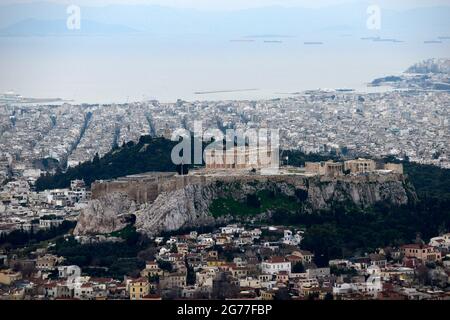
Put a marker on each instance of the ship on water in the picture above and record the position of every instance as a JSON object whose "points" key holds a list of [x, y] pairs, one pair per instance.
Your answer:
{"points": [[309, 43]]}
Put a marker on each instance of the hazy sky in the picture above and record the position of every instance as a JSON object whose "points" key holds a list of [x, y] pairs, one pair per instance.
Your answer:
{"points": [[182, 54], [241, 4]]}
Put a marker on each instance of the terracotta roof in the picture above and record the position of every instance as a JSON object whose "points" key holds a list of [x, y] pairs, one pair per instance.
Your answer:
{"points": [[139, 280], [306, 252], [276, 260], [416, 246], [292, 257], [103, 280]]}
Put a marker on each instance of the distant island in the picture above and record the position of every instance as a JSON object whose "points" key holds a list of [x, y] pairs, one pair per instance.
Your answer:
{"points": [[242, 40], [379, 39]]}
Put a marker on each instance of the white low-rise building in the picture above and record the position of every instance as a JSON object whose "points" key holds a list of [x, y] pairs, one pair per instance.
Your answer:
{"points": [[275, 264], [441, 241], [69, 271], [372, 286]]}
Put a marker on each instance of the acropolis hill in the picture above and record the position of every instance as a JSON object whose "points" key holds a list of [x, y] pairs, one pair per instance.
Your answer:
{"points": [[168, 201]]}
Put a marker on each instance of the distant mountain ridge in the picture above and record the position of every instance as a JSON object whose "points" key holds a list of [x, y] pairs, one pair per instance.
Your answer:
{"points": [[433, 21], [35, 27]]}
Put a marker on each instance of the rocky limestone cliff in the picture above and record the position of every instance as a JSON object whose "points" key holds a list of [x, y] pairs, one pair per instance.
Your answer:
{"points": [[188, 206], [105, 215], [177, 209]]}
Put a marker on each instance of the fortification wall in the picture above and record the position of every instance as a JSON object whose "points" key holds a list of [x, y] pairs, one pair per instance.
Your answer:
{"points": [[146, 188]]}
